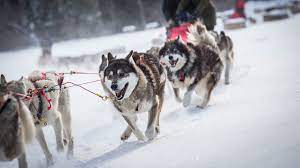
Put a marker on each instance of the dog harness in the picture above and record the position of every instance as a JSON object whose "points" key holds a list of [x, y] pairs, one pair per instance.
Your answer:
{"points": [[181, 76], [41, 92]]}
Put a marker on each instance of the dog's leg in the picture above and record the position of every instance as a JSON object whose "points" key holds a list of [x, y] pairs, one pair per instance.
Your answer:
{"points": [[126, 134], [187, 98], [131, 121], [152, 118], [188, 94], [69, 137], [211, 83], [161, 94], [58, 130], [177, 95], [64, 108], [41, 139], [22, 162], [227, 68]]}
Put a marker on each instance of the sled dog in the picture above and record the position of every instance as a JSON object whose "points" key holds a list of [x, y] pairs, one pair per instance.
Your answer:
{"points": [[16, 126], [194, 66], [49, 106], [136, 84]]}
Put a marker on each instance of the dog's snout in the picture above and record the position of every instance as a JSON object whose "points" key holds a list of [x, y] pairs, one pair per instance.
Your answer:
{"points": [[170, 57], [114, 86]]}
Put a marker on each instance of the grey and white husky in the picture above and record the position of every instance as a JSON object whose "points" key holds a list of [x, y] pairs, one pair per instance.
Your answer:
{"points": [[194, 66], [225, 45], [56, 112], [16, 126], [136, 84]]}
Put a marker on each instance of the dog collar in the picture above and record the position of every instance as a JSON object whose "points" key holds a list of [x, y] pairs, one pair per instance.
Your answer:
{"points": [[181, 76]]}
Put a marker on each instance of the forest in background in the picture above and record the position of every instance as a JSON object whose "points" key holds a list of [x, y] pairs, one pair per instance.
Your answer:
{"points": [[26, 23]]}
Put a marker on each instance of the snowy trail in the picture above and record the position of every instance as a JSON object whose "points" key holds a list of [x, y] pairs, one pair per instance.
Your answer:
{"points": [[254, 122]]}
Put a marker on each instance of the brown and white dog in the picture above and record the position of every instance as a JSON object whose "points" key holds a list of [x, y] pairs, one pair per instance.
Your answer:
{"points": [[136, 84]]}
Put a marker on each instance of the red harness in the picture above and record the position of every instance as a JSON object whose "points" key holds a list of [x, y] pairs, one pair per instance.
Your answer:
{"points": [[181, 76], [49, 100]]}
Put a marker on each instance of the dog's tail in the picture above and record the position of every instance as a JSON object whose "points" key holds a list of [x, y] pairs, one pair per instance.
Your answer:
{"points": [[27, 122], [197, 34]]}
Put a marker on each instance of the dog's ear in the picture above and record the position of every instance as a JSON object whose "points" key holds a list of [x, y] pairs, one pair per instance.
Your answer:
{"points": [[103, 64], [129, 55], [21, 79], [110, 57], [3, 80]]}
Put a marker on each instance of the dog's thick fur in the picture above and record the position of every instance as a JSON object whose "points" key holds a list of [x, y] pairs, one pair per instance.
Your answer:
{"points": [[59, 115], [194, 66], [144, 90], [16, 125]]}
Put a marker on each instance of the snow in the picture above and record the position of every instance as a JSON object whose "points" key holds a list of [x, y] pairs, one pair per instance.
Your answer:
{"points": [[235, 21], [253, 122], [255, 9], [152, 25], [129, 28]]}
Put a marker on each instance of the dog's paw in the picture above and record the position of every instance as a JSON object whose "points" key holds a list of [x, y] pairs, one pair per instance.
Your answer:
{"points": [[125, 136], [201, 107], [151, 133], [157, 129], [141, 138], [60, 147], [50, 161]]}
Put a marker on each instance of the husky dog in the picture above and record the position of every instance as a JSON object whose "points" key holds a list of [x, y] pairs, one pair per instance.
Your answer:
{"points": [[194, 66], [136, 84], [45, 112], [225, 45], [16, 126]]}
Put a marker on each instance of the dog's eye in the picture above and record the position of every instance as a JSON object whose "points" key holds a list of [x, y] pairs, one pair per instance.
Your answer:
{"points": [[121, 74], [109, 77]]}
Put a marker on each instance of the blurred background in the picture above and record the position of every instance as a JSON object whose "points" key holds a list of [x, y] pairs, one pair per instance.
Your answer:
{"points": [[25, 23]]}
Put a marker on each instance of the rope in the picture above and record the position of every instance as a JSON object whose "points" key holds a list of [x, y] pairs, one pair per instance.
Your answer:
{"points": [[104, 98], [75, 73], [38, 90]]}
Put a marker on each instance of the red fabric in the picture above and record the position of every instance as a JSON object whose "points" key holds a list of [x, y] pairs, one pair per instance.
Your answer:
{"points": [[43, 93], [43, 77], [240, 4], [236, 15], [179, 31], [181, 76]]}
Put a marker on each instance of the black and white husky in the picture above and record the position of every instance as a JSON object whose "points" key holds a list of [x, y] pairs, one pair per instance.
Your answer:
{"points": [[56, 112], [194, 66], [136, 84]]}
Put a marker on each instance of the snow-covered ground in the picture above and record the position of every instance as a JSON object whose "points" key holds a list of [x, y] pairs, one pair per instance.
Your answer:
{"points": [[254, 122]]}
